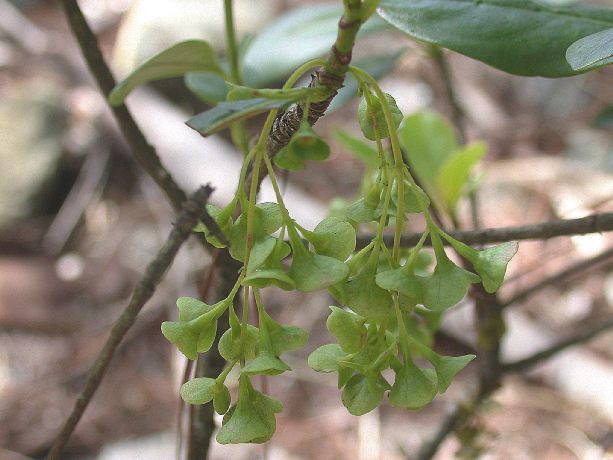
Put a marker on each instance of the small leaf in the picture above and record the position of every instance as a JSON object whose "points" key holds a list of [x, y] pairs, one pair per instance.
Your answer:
{"points": [[415, 199], [230, 344], [269, 277], [305, 143], [325, 358], [361, 212], [207, 86], [333, 237], [454, 174], [447, 285], [413, 387], [222, 400], [225, 113], [223, 219], [313, 272], [199, 390], [253, 419], [363, 296], [265, 363], [348, 328], [191, 308], [260, 251], [362, 393], [183, 337], [399, 280], [289, 160], [377, 128], [267, 220], [187, 56], [447, 367]]}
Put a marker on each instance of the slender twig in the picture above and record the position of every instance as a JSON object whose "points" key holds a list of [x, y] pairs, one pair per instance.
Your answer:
{"points": [[595, 223], [450, 422], [526, 363], [192, 212], [143, 152], [560, 277]]}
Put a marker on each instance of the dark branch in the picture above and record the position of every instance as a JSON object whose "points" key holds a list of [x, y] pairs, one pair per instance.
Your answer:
{"points": [[192, 212], [560, 277], [526, 363], [594, 223]]}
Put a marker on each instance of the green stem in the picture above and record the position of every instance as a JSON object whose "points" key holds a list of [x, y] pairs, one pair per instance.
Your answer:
{"points": [[232, 48]]}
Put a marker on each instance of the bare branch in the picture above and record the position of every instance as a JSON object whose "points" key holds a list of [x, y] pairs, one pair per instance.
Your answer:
{"points": [[526, 363], [192, 212], [594, 223], [560, 277]]}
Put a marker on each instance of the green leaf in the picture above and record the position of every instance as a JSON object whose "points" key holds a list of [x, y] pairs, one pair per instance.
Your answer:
{"points": [[222, 400], [348, 328], [225, 113], [333, 237], [399, 280], [260, 251], [199, 390], [361, 212], [223, 219], [269, 277], [447, 285], [454, 174], [187, 56], [429, 141], [325, 358], [447, 367], [313, 272], [362, 393], [267, 220], [300, 35], [593, 51], [364, 151], [282, 337], [306, 144], [230, 344], [415, 199], [491, 263], [377, 129], [253, 419], [363, 296], [287, 159], [207, 86], [265, 363], [191, 308], [518, 36], [183, 337], [413, 387], [313, 93]]}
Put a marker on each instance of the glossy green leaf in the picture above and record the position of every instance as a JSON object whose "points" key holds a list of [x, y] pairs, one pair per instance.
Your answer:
{"points": [[253, 419], [230, 344], [298, 36], [372, 119], [593, 51], [362, 393], [333, 237], [313, 272], [200, 390], [413, 387], [348, 328], [325, 358], [187, 56], [207, 86], [518, 36], [364, 151], [455, 172], [225, 113]]}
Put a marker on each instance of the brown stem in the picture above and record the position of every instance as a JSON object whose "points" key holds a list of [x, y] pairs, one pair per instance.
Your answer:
{"points": [[192, 212]]}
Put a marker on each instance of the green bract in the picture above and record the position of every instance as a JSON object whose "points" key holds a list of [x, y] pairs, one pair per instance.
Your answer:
{"points": [[372, 119], [413, 387]]}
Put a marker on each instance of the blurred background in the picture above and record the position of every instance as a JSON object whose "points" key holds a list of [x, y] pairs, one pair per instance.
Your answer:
{"points": [[79, 221]]}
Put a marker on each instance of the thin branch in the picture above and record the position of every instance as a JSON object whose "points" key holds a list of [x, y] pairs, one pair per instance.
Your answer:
{"points": [[143, 152], [192, 212], [448, 424], [595, 223], [526, 363], [560, 277]]}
